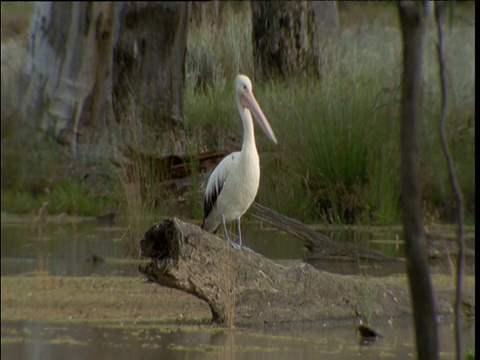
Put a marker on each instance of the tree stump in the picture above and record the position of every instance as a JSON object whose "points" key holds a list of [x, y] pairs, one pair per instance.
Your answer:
{"points": [[245, 288]]}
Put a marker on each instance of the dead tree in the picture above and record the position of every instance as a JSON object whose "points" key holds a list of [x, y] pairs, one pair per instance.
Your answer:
{"points": [[423, 302], [89, 63], [244, 288]]}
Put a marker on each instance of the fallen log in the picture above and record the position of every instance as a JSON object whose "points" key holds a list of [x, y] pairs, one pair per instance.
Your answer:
{"points": [[173, 166], [319, 246], [244, 288]]}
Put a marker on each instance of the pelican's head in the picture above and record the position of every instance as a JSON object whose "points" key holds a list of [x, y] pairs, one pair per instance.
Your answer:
{"points": [[246, 100]]}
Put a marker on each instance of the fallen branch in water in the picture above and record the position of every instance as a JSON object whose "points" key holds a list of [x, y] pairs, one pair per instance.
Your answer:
{"points": [[318, 245]]}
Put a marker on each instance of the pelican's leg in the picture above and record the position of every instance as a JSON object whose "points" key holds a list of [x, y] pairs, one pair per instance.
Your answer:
{"points": [[225, 228], [240, 241], [239, 231], [235, 245]]}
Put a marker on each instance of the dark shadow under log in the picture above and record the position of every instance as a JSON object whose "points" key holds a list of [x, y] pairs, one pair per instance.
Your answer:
{"points": [[245, 288]]}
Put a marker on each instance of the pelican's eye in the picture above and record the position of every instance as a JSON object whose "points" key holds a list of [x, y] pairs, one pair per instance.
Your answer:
{"points": [[244, 87]]}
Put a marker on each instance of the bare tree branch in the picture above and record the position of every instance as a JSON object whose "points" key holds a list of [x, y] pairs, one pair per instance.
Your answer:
{"points": [[455, 187]]}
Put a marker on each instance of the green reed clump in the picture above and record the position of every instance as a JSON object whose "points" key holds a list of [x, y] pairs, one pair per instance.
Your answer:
{"points": [[339, 161], [212, 119], [216, 53], [330, 163]]}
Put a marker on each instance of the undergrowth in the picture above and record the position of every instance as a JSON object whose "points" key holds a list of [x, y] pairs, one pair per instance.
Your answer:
{"points": [[338, 156]]}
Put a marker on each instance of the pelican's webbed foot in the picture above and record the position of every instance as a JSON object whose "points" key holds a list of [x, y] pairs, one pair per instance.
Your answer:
{"points": [[235, 245]]}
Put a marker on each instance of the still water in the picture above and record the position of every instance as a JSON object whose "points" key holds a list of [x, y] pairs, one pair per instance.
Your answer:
{"points": [[34, 340], [66, 250]]}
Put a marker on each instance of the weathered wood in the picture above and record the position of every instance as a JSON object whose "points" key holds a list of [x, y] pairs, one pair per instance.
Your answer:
{"points": [[66, 76], [318, 245], [245, 288]]}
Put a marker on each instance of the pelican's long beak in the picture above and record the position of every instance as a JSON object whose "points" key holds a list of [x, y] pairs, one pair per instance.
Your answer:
{"points": [[248, 100]]}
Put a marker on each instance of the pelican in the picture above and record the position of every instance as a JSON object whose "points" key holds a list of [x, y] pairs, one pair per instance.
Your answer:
{"points": [[233, 185]]}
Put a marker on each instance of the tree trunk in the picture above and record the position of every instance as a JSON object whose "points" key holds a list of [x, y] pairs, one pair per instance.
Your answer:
{"points": [[412, 24], [244, 288], [285, 42], [77, 62], [62, 76], [149, 72]]}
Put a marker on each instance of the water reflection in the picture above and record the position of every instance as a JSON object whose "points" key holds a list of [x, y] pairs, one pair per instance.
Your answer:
{"points": [[67, 250], [70, 250], [335, 340], [64, 250]]}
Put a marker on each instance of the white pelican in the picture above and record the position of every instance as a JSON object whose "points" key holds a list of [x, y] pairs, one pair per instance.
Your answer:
{"points": [[233, 185]]}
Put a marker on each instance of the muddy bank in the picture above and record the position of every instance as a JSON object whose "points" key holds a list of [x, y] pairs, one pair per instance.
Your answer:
{"points": [[52, 298]]}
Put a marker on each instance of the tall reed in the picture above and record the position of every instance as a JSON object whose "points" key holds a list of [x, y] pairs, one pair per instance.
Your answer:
{"points": [[141, 196]]}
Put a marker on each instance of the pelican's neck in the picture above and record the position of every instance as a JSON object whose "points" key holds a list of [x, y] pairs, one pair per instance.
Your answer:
{"points": [[248, 132]]}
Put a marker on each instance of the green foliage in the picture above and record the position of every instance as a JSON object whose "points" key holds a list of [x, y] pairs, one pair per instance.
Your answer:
{"points": [[331, 154], [34, 171], [72, 198], [338, 156], [65, 196], [470, 354], [329, 163]]}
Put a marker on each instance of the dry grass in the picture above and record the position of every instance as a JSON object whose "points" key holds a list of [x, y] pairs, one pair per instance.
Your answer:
{"points": [[55, 298], [228, 282]]}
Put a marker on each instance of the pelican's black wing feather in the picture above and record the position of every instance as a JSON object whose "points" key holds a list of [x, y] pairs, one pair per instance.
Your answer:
{"points": [[216, 182], [211, 198]]}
